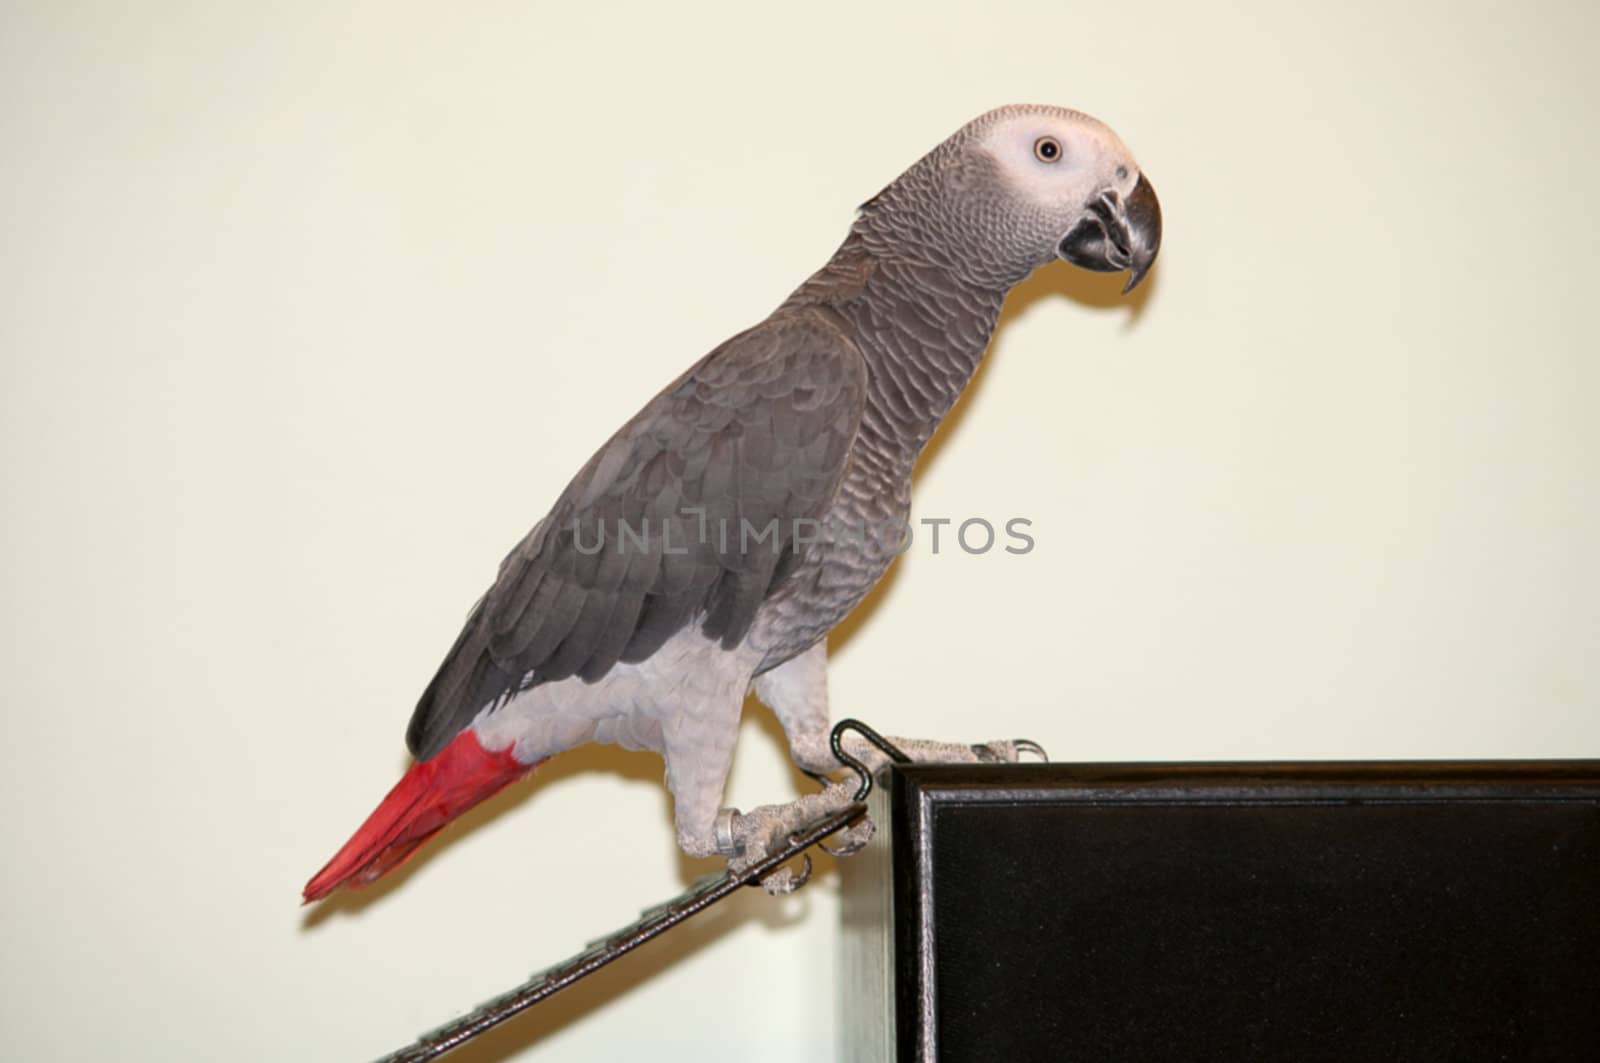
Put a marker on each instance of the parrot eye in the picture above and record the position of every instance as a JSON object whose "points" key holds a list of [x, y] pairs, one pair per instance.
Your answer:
{"points": [[1047, 149]]}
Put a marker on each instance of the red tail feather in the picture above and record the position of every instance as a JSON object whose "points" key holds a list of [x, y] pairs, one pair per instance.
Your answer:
{"points": [[430, 794]]}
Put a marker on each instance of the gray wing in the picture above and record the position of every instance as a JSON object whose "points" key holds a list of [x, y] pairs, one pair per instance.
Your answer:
{"points": [[689, 514]]}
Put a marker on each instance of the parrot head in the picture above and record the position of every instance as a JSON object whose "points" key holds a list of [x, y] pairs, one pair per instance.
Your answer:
{"points": [[1022, 185]]}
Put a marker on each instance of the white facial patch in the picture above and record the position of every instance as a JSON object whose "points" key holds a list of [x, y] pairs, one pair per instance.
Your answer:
{"points": [[1089, 158]]}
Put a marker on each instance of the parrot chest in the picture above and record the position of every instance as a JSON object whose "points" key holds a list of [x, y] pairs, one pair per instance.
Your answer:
{"points": [[858, 539], [921, 333]]}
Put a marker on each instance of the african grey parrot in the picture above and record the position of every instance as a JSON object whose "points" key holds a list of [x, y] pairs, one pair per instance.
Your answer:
{"points": [[714, 541]]}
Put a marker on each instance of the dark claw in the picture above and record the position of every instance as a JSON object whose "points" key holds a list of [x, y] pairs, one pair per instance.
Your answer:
{"points": [[853, 839], [847, 849], [784, 880], [1025, 745]]}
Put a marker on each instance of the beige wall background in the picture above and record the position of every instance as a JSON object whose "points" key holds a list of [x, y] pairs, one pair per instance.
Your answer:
{"points": [[310, 311]]}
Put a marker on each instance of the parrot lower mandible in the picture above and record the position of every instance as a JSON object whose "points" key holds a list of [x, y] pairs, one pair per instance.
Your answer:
{"points": [[714, 541]]}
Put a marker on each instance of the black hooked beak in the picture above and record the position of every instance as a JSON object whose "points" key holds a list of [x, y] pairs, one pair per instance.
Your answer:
{"points": [[1116, 236]]}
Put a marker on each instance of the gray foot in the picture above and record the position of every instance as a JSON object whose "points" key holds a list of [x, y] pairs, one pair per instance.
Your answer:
{"points": [[924, 751], [747, 838]]}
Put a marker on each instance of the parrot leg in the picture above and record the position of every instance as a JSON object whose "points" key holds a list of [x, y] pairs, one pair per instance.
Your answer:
{"points": [[797, 693], [746, 838], [699, 754]]}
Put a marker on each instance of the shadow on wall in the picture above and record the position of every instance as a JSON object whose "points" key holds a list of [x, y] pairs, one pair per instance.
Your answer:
{"points": [[615, 981], [1097, 291]]}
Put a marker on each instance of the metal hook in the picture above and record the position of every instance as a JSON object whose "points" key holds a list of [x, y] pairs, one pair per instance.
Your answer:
{"points": [[888, 748]]}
